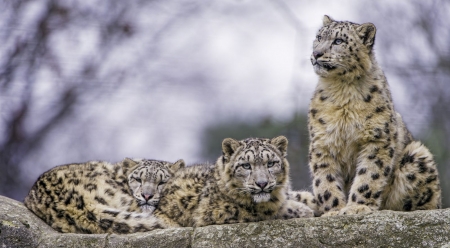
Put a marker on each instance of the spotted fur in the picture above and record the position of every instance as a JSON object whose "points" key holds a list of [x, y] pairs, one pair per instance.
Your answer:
{"points": [[99, 197], [306, 198], [248, 183], [362, 157]]}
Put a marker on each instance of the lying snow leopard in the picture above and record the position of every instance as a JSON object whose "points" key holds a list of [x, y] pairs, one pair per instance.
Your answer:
{"points": [[362, 156], [248, 183], [99, 197]]}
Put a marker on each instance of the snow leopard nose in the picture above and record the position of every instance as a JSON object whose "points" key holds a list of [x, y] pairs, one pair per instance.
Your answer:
{"points": [[317, 54], [262, 185], [147, 197]]}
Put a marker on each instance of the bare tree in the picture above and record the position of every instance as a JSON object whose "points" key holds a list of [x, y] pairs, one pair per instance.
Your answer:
{"points": [[61, 58], [29, 33]]}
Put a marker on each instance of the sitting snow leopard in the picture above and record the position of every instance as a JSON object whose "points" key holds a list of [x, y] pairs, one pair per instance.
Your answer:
{"points": [[362, 156], [248, 183], [99, 197]]}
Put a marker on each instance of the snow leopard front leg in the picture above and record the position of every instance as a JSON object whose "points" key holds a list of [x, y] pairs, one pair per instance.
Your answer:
{"points": [[328, 183], [294, 209], [306, 198], [374, 169]]}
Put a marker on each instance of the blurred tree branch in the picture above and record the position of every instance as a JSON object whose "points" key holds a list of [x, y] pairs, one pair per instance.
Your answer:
{"points": [[30, 51], [47, 84]]}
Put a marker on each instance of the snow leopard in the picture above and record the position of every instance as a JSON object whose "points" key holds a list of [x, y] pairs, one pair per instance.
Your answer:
{"points": [[248, 183], [362, 157], [100, 197]]}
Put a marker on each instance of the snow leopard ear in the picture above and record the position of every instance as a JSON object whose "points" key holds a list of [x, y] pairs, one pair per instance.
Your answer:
{"points": [[367, 33], [281, 143], [176, 166], [129, 163], [229, 147], [327, 20]]}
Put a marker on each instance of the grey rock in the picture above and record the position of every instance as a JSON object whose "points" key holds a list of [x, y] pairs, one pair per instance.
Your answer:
{"points": [[379, 229], [21, 228], [18, 226]]}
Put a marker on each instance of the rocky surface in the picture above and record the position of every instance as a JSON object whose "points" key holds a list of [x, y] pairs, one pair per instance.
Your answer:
{"points": [[21, 228]]}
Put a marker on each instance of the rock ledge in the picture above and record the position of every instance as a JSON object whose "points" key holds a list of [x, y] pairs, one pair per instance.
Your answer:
{"points": [[21, 228]]}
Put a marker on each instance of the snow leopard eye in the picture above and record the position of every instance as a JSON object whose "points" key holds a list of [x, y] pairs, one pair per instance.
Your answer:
{"points": [[338, 41], [318, 37], [270, 164], [137, 179], [246, 166]]}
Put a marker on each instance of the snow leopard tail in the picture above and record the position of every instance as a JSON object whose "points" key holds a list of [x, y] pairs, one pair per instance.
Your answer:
{"points": [[109, 220]]}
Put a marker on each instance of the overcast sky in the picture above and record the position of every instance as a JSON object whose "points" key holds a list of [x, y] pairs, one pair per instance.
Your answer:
{"points": [[247, 60]]}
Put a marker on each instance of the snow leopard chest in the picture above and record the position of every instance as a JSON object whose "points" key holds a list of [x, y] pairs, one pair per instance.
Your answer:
{"points": [[343, 132]]}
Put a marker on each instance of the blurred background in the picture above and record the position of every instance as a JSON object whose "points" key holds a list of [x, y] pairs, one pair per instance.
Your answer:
{"points": [[168, 79]]}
